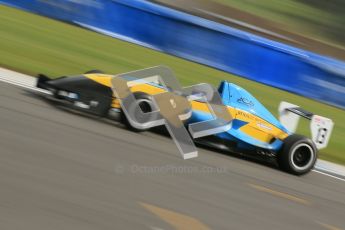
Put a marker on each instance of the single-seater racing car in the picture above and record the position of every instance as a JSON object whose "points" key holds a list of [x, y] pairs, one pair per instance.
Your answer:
{"points": [[253, 128]]}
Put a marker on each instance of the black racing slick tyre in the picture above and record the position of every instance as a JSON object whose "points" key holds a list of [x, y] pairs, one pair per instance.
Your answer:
{"points": [[298, 155], [146, 105], [94, 71]]}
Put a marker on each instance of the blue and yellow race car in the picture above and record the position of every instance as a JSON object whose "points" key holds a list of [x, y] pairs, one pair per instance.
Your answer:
{"points": [[253, 128]]}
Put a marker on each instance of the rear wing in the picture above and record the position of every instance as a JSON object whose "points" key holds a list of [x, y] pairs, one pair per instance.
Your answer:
{"points": [[320, 127]]}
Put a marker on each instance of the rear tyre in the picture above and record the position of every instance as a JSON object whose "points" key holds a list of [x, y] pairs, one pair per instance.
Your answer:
{"points": [[94, 71], [298, 155], [146, 105]]}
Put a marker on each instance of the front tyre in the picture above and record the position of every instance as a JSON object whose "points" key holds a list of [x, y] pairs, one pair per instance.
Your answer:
{"points": [[298, 155]]}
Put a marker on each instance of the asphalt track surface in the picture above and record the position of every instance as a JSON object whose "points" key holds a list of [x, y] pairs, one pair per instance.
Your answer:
{"points": [[62, 170]]}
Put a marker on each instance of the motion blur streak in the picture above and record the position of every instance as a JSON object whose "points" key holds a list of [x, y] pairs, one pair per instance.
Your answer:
{"points": [[280, 194]]}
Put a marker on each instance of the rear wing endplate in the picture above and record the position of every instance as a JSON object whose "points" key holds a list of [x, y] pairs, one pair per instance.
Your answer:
{"points": [[320, 127]]}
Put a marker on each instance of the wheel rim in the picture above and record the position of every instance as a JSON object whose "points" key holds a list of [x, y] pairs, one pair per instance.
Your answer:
{"points": [[302, 156]]}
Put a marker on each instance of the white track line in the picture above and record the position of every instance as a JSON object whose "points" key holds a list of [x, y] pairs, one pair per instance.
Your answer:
{"points": [[25, 86], [326, 174]]}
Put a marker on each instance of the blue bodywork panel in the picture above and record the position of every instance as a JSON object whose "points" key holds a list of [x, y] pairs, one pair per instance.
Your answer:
{"points": [[237, 97]]}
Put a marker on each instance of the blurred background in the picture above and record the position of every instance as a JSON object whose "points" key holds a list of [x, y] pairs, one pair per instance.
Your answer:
{"points": [[316, 25]]}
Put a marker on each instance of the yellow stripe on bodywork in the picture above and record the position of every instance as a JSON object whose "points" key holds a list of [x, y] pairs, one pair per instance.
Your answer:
{"points": [[258, 128], [140, 87], [146, 88], [257, 133], [253, 127], [102, 79], [105, 80]]}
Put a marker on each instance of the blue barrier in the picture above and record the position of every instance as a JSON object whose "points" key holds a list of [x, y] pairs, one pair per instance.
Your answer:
{"points": [[203, 41]]}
